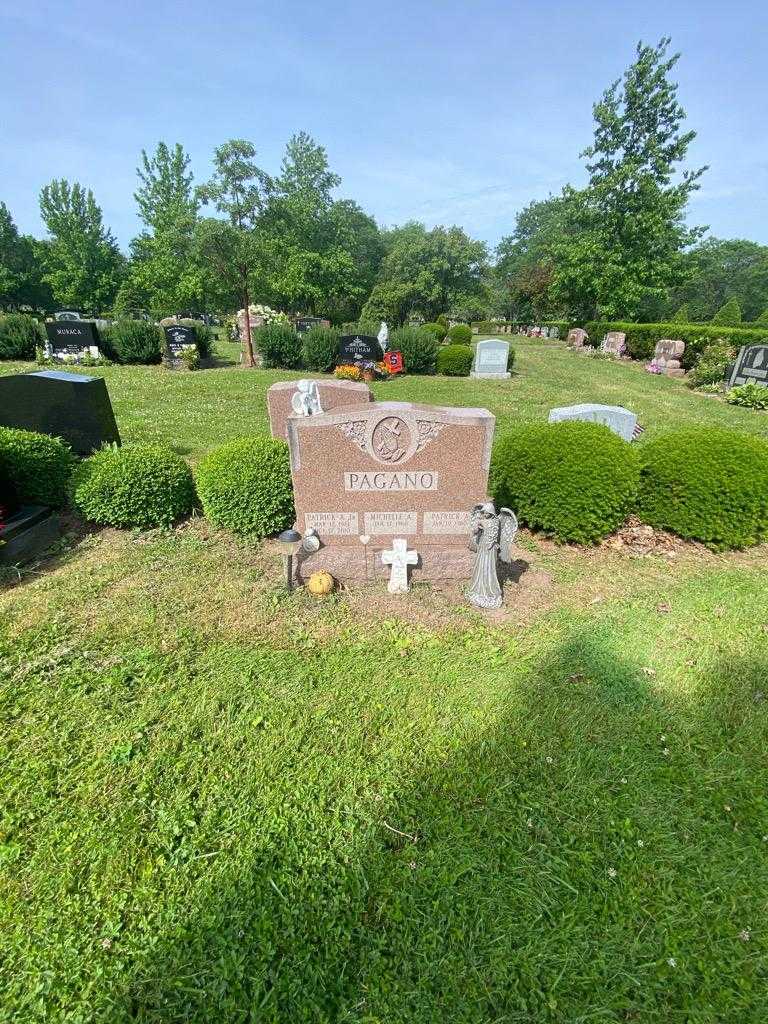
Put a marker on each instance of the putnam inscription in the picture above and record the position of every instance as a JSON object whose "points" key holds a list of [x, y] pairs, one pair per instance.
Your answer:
{"points": [[417, 480]]}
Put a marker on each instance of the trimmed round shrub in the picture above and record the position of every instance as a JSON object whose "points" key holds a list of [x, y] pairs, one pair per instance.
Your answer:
{"points": [[132, 341], [419, 348], [245, 486], [19, 336], [460, 334], [40, 466], [319, 347], [439, 330], [575, 480], [707, 484], [454, 360], [203, 336], [140, 485], [279, 346]]}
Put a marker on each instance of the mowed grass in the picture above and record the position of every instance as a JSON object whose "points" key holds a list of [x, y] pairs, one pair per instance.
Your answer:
{"points": [[197, 411], [220, 803]]}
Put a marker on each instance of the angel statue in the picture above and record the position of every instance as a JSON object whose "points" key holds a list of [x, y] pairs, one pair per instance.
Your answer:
{"points": [[383, 336], [492, 538], [306, 401]]}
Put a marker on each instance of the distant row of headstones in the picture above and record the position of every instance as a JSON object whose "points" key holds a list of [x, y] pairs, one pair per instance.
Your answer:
{"points": [[751, 362]]}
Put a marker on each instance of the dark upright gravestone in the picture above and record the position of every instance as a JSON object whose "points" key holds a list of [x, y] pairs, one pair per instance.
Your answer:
{"points": [[70, 340], [751, 365], [67, 405], [178, 340], [356, 348]]}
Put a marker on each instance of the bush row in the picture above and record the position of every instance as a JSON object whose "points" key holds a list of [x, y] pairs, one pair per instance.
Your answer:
{"points": [[575, 481], [280, 347], [124, 341], [642, 338]]}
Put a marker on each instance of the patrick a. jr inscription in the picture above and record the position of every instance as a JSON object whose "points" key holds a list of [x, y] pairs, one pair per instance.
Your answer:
{"points": [[387, 470]]}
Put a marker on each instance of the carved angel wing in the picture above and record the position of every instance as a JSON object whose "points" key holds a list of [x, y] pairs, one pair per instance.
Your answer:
{"points": [[507, 533]]}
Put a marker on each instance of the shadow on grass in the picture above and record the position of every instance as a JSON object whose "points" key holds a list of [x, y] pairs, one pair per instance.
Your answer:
{"points": [[555, 865]]}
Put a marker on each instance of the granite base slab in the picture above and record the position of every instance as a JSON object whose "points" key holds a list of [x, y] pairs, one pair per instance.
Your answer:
{"points": [[360, 563], [27, 533], [490, 376]]}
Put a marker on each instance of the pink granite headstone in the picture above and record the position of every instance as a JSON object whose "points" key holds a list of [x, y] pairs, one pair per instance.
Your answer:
{"points": [[364, 475], [667, 355], [577, 337], [614, 343], [332, 393]]}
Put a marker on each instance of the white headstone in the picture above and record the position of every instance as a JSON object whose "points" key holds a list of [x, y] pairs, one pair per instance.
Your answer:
{"points": [[618, 419], [491, 358], [399, 558]]}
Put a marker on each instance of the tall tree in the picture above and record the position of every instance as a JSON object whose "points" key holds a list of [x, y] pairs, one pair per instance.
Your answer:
{"points": [[427, 272], [83, 263], [718, 269], [21, 281], [238, 190], [163, 273], [524, 266], [626, 230]]}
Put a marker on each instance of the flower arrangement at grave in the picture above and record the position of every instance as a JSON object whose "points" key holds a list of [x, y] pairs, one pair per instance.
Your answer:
{"points": [[261, 315], [347, 371], [654, 368], [365, 369]]}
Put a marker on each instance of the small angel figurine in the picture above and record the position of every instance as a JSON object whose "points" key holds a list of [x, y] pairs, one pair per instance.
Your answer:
{"points": [[306, 401], [492, 538]]}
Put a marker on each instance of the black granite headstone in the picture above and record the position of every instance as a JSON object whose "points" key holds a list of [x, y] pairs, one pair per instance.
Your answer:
{"points": [[70, 337], [27, 533], [67, 405], [354, 348], [177, 338], [751, 365]]}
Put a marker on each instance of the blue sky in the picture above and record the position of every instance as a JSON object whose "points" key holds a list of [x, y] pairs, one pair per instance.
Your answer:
{"points": [[444, 112]]}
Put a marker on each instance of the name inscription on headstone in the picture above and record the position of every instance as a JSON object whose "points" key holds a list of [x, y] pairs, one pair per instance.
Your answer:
{"points": [[390, 523], [447, 522], [337, 524], [419, 480]]}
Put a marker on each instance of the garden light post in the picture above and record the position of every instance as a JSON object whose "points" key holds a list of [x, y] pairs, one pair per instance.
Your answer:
{"points": [[290, 542]]}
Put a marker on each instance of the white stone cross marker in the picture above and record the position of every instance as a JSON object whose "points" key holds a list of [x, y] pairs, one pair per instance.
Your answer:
{"points": [[399, 558]]}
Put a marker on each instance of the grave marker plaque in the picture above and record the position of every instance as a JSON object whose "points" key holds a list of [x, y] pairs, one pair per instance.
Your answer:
{"points": [[491, 359], [367, 473], [751, 365], [355, 348]]}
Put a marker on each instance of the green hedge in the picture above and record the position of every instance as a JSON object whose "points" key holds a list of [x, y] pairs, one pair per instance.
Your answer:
{"points": [[439, 330], [132, 341], [245, 486], [319, 348], [142, 485], [454, 360], [575, 480], [642, 338], [39, 466], [19, 336], [460, 334], [706, 484], [419, 348], [279, 346]]}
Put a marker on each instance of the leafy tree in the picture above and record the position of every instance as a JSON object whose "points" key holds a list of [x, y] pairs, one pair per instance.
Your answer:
{"points": [[626, 230], [524, 265], [20, 274], [230, 249], [763, 318], [427, 273], [728, 315], [719, 269], [163, 272], [683, 315], [83, 264], [322, 254]]}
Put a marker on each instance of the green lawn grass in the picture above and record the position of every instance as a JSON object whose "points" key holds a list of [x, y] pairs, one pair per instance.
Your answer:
{"points": [[223, 804]]}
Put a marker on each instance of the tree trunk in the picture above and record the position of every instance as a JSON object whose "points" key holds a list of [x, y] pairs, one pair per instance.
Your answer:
{"points": [[248, 359]]}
